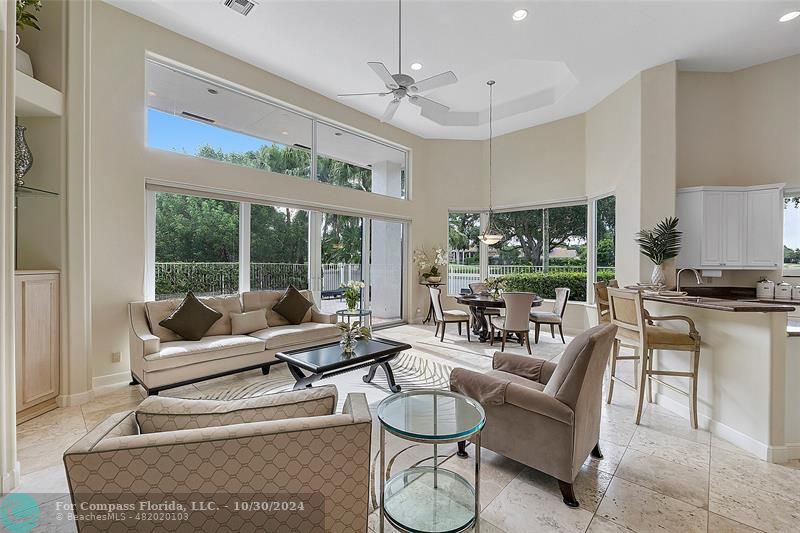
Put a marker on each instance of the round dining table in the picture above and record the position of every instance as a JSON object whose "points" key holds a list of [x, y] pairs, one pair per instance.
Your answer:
{"points": [[478, 304]]}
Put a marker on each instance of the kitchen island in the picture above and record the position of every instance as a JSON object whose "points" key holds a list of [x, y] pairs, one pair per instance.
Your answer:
{"points": [[748, 390]]}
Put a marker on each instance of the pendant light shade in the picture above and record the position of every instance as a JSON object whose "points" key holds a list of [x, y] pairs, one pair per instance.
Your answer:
{"points": [[490, 235]]}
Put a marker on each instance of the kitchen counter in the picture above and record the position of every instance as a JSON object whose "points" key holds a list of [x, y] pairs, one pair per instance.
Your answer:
{"points": [[719, 304]]}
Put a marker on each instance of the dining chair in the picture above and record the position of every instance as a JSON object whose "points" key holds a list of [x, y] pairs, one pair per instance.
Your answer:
{"points": [[636, 327], [604, 316], [554, 317], [518, 305], [443, 317], [479, 287]]}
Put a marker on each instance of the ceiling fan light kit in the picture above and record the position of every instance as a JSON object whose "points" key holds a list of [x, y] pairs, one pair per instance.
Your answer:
{"points": [[402, 85]]}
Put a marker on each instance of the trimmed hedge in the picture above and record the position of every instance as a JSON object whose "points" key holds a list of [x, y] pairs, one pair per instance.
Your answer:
{"points": [[545, 283]]}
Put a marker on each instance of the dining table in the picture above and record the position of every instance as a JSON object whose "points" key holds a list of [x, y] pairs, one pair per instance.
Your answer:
{"points": [[478, 305]]}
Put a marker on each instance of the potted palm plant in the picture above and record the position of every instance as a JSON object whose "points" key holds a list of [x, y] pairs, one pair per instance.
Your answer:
{"points": [[659, 245]]}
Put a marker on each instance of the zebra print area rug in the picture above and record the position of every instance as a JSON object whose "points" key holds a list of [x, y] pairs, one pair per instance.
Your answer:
{"points": [[411, 371]]}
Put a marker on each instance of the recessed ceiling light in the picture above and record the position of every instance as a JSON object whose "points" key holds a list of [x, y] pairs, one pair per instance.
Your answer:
{"points": [[519, 14], [284, 133], [416, 66], [791, 15], [151, 93]]}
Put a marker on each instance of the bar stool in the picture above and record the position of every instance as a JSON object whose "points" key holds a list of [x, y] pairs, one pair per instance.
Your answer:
{"points": [[636, 327], [603, 315]]}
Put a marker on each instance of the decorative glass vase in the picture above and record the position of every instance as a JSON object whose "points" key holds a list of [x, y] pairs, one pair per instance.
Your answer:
{"points": [[657, 277], [348, 343], [23, 159]]}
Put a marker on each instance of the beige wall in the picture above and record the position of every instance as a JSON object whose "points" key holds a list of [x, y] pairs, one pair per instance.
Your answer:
{"points": [[740, 128]]}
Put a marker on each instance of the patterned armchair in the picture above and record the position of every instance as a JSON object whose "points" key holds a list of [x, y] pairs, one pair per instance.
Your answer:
{"points": [[219, 463]]}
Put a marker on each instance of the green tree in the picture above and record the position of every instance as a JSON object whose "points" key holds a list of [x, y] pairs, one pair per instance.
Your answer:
{"points": [[278, 235], [194, 229], [523, 231]]}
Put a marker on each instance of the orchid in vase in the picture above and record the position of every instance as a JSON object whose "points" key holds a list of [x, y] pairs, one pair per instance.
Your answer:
{"points": [[351, 333], [352, 293], [429, 265]]}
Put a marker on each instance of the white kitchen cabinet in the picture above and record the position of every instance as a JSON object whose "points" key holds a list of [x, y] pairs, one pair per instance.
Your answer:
{"points": [[730, 227], [37, 342]]}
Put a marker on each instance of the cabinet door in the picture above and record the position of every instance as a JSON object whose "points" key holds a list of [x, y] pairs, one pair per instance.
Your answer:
{"points": [[764, 231], [734, 211], [37, 339], [712, 230]]}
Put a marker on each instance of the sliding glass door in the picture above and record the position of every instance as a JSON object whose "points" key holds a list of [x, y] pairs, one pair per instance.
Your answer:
{"points": [[385, 271]]}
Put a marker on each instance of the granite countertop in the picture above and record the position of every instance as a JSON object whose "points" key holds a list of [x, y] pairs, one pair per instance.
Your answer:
{"points": [[720, 304]]}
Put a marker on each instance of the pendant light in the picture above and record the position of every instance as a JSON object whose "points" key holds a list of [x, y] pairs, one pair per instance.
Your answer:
{"points": [[490, 234]]}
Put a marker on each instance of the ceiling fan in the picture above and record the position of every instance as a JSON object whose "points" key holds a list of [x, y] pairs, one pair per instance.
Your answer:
{"points": [[402, 85]]}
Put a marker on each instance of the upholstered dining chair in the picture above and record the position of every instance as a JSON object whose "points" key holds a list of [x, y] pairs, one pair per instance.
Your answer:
{"points": [[479, 287], [544, 415], [518, 305], [637, 328], [554, 317], [442, 317]]}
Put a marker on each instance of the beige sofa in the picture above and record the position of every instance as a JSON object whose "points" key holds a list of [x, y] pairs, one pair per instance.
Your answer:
{"points": [[160, 359], [286, 448]]}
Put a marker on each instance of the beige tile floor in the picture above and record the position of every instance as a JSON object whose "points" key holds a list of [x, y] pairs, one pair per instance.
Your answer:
{"points": [[660, 476]]}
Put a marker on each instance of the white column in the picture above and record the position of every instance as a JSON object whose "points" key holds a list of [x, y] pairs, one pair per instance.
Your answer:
{"points": [[9, 467], [244, 247], [315, 255]]}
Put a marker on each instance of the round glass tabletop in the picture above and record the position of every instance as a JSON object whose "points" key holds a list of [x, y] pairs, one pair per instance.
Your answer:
{"points": [[415, 502], [431, 415], [354, 312]]}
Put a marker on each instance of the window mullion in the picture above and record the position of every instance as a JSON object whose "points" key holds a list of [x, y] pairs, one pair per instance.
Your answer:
{"points": [[244, 246]]}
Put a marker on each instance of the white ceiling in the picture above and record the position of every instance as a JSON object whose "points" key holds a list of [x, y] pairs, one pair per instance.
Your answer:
{"points": [[561, 60]]}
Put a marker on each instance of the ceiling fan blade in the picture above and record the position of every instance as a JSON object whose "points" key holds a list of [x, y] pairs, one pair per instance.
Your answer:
{"points": [[427, 105], [362, 94], [384, 74], [391, 109], [434, 82]]}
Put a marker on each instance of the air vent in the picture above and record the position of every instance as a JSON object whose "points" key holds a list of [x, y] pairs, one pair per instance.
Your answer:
{"points": [[302, 147], [243, 7], [197, 117]]}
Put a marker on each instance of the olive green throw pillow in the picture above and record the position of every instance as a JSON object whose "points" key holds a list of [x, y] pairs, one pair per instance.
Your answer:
{"points": [[191, 319], [292, 306]]}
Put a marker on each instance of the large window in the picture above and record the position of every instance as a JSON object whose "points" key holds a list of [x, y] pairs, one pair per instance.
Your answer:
{"points": [[605, 237], [196, 246], [464, 250], [791, 234], [212, 246], [194, 116]]}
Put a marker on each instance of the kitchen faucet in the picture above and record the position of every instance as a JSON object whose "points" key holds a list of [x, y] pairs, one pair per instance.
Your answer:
{"points": [[678, 278]]}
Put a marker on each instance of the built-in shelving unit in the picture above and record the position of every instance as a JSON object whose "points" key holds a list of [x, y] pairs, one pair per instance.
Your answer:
{"points": [[35, 99]]}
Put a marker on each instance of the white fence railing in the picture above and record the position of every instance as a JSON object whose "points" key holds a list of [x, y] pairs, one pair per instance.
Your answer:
{"points": [[460, 276]]}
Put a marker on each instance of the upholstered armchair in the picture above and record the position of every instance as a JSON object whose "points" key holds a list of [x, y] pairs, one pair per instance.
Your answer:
{"points": [[544, 415], [286, 448]]}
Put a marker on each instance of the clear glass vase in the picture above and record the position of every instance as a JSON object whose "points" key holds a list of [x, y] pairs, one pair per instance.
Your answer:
{"points": [[348, 343]]}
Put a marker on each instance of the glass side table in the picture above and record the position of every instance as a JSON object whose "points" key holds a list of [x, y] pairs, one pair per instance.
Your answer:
{"points": [[362, 315], [430, 499]]}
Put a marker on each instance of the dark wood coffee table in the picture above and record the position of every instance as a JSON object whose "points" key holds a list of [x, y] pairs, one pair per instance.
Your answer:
{"points": [[328, 360]]}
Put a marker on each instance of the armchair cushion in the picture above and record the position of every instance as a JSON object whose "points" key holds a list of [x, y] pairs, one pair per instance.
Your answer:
{"points": [[156, 413], [527, 367]]}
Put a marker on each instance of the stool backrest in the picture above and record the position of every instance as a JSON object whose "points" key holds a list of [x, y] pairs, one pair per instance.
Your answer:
{"points": [[601, 299], [627, 313]]}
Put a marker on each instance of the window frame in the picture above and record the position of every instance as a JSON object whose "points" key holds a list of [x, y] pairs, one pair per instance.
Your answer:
{"points": [[787, 192], [315, 119], [591, 237], [314, 242]]}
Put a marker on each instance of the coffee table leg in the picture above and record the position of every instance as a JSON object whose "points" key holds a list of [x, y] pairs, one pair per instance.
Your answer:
{"points": [[301, 380], [394, 387]]}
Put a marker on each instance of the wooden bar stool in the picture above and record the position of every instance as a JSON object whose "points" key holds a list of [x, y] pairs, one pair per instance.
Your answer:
{"points": [[636, 327], [604, 315]]}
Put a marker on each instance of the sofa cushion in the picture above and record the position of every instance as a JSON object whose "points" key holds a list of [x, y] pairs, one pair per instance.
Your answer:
{"points": [[284, 336], [181, 353], [248, 322], [158, 311], [192, 319], [267, 299], [156, 414], [225, 304], [293, 306]]}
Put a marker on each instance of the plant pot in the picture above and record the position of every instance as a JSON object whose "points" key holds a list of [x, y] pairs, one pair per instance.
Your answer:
{"points": [[657, 277], [24, 62], [434, 279]]}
